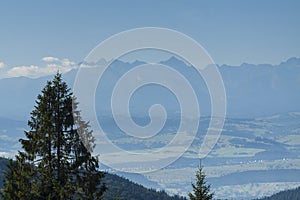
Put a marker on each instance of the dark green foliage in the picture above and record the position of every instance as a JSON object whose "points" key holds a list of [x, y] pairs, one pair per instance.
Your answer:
{"points": [[123, 189], [201, 190], [288, 194], [3, 168], [18, 182], [120, 188], [56, 161]]}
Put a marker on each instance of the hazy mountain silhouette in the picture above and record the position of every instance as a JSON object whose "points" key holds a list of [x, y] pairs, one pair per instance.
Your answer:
{"points": [[252, 90]]}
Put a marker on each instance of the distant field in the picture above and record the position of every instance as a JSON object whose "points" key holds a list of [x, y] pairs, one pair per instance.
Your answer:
{"points": [[246, 161]]}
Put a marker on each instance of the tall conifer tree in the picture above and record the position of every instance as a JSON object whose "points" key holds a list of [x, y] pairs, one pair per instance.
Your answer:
{"points": [[56, 162], [201, 190]]}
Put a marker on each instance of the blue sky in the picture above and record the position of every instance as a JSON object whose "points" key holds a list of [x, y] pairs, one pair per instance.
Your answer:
{"points": [[232, 32]]}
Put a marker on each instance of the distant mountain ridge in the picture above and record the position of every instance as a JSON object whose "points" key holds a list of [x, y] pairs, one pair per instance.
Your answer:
{"points": [[262, 89], [252, 90]]}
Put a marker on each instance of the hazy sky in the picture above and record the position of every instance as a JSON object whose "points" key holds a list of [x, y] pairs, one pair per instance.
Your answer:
{"points": [[232, 32]]}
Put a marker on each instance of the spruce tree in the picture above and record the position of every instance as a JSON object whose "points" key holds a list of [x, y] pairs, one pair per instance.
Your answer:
{"points": [[201, 190], [56, 162]]}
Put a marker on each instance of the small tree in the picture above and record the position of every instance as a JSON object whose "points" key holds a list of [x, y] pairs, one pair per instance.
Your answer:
{"points": [[56, 161], [201, 190]]}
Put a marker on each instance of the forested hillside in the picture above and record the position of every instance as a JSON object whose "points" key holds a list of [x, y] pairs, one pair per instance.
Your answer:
{"points": [[118, 188], [121, 188], [288, 194]]}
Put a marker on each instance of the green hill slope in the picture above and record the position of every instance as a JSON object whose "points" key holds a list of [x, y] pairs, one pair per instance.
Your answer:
{"points": [[293, 194], [118, 188], [121, 188]]}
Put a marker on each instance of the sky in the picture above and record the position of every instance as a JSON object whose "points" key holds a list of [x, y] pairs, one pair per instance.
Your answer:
{"points": [[38, 35]]}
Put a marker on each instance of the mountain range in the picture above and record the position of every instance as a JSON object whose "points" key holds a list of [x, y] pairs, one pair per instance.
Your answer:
{"points": [[258, 151], [251, 90]]}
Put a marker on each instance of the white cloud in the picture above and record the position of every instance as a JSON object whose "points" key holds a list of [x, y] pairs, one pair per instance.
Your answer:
{"points": [[86, 66], [2, 64], [67, 62], [50, 59], [33, 71]]}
